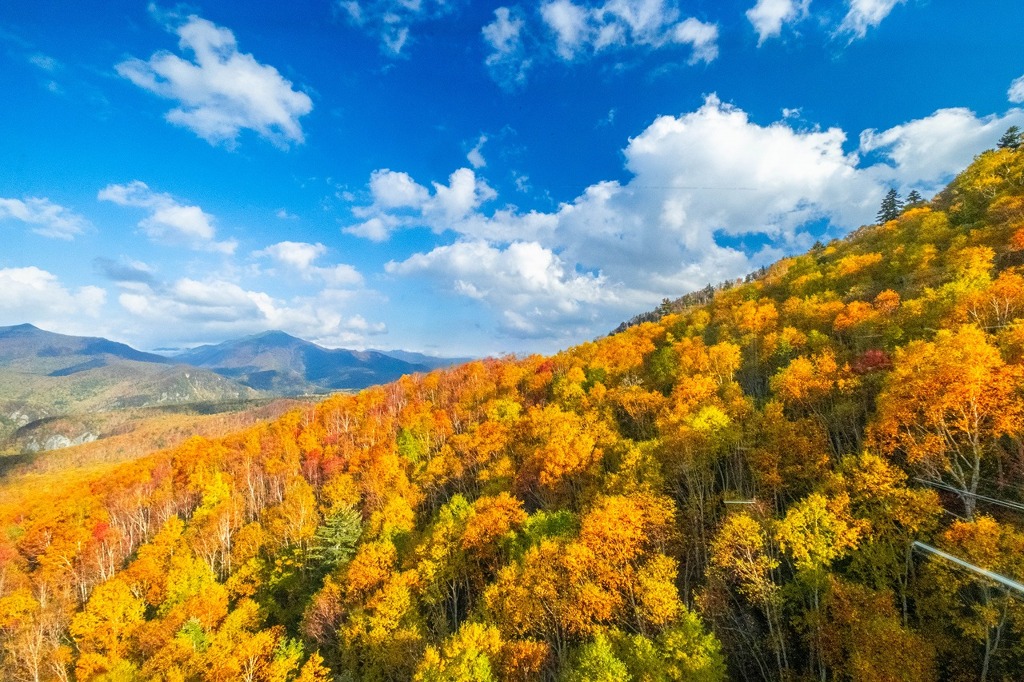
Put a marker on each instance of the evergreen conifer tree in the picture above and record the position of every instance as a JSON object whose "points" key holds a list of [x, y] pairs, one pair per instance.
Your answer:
{"points": [[891, 207], [335, 541], [914, 199], [1011, 139]]}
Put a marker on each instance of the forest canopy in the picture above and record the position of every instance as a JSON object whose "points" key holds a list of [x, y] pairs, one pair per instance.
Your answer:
{"points": [[731, 490]]}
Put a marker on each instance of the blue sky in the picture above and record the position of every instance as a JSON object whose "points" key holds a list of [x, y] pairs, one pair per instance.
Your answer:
{"points": [[460, 178]]}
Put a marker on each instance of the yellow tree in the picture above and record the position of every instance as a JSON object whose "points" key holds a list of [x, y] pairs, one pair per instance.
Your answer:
{"points": [[742, 575], [470, 655], [102, 629], [972, 618], [864, 640], [814, 533], [820, 387], [893, 515], [946, 404], [560, 452]]}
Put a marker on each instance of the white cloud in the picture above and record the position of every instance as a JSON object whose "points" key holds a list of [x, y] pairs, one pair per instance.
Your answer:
{"points": [[862, 15], [298, 255], [452, 202], [301, 257], [926, 151], [570, 24], [582, 29], [190, 309], [125, 272], [535, 290], [1016, 92], [768, 16], [399, 201], [475, 155], [392, 20], [47, 218], [168, 221], [703, 38], [522, 182], [571, 31], [35, 295], [702, 183], [396, 190], [507, 61], [713, 195], [44, 62], [376, 229], [221, 91]]}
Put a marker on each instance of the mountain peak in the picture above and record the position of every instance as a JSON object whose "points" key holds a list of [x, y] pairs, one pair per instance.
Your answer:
{"points": [[275, 335], [20, 329]]}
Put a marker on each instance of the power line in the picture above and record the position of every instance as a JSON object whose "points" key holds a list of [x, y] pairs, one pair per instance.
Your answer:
{"points": [[985, 498], [1000, 579]]}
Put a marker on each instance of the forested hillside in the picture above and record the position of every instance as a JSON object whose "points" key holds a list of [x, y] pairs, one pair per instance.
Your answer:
{"points": [[730, 491]]}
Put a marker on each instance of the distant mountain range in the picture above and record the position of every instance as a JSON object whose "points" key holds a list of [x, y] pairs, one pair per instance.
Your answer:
{"points": [[285, 365], [58, 374], [44, 375], [272, 362]]}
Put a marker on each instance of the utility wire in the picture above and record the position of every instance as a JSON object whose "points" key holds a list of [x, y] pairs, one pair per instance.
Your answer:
{"points": [[985, 498], [996, 577]]}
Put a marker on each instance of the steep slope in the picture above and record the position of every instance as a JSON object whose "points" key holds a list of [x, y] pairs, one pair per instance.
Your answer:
{"points": [[732, 490], [277, 362], [124, 434]]}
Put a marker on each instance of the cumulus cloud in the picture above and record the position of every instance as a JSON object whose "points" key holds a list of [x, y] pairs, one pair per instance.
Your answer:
{"points": [[300, 257], [569, 23], [862, 15], [46, 218], [396, 190], [399, 201], [169, 220], [220, 91], [712, 195], [535, 290], [392, 20], [188, 309], [703, 182], [926, 151], [768, 16], [1016, 92], [35, 295], [702, 37]]}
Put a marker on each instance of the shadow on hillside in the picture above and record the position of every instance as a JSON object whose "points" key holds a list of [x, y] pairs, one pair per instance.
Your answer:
{"points": [[9, 463]]}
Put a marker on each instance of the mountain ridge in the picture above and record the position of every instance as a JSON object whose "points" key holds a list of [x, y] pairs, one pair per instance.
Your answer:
{"points": [[278, 362], [46, 375]]}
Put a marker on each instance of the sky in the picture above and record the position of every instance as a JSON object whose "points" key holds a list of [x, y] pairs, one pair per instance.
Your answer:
{"points": [[461, 178]]}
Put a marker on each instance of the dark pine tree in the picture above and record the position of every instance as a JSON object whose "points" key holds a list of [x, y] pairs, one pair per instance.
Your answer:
{"points": [[1011, 139], [914, 199], [891, 207]]}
